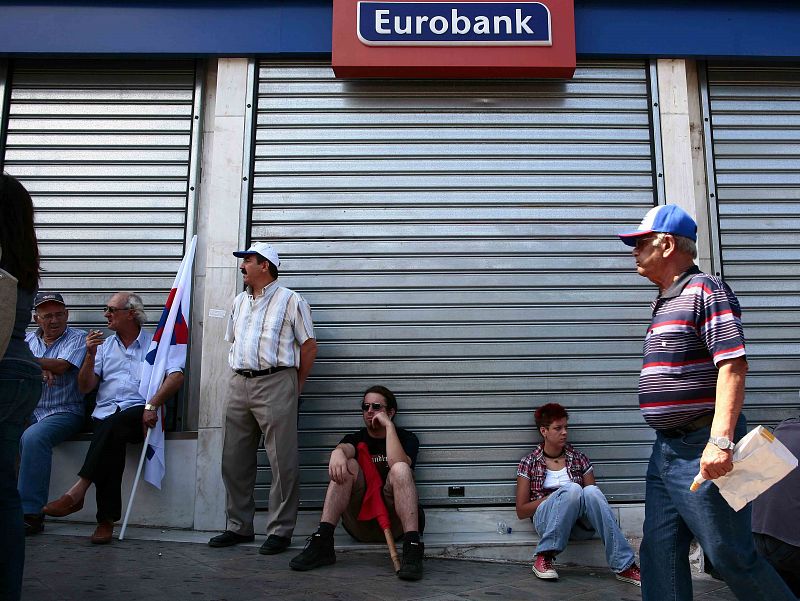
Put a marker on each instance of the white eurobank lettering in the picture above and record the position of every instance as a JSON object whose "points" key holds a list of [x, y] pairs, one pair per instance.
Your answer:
{"points": [[386, 24]]}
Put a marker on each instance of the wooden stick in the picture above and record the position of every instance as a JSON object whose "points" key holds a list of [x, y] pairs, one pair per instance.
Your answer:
{"points": [[387, 532]]}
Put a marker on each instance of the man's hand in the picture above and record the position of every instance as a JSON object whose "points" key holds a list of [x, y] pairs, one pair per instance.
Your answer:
{"points": [[93, 340], [715, 462], [48, 377], [337, 467], [149, 420], [381, 419]]}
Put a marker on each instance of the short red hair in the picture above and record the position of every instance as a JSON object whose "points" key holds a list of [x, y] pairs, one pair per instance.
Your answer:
{"points": [[547, 414]]}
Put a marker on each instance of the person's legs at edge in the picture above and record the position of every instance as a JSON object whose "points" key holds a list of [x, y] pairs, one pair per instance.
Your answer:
{"points": [[785, 558], [724, 534], [19, 393]]}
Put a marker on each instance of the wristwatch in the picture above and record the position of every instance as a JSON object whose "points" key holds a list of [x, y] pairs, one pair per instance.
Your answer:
{"points": [[150, 407], [722, 442]]}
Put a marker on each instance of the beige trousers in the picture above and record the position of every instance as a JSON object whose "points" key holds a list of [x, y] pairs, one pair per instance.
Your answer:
{"points": [[268, 405]]}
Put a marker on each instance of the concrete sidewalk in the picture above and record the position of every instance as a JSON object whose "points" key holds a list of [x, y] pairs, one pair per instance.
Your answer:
{"points": [[61, 566]]}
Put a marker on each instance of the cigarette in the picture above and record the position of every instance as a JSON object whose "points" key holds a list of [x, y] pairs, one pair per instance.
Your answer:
{"points": [[698, 480]]}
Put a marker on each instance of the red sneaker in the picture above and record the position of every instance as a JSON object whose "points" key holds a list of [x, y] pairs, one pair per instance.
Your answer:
{"points": [[631, 575], [543, 567]]}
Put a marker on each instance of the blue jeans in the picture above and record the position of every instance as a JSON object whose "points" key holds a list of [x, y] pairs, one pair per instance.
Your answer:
{"points": [[674, 515], [20, 389], [557, 518], [36, 454]]}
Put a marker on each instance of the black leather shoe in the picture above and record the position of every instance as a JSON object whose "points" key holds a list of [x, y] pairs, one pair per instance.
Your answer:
{"points": [[34, 523], [275, 544], [228, 539]]}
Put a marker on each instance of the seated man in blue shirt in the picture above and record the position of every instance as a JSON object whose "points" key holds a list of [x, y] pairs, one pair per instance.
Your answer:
{"points": [[120, 416], [60, 412]]}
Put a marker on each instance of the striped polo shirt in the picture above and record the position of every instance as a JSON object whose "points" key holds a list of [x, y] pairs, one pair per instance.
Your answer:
{"points": [[63, 396], [696, 324], [268, 331]]}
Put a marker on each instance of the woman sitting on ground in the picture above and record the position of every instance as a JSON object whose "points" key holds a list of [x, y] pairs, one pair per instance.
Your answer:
{"points": [[556, 489]]}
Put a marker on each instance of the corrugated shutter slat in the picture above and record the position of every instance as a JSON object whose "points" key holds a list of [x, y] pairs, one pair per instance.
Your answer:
{"points": [[104, 148], [456, 241]]}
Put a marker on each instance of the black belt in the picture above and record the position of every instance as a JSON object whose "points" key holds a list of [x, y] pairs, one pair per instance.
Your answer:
{"points": [[694, 426], [255, 373]]}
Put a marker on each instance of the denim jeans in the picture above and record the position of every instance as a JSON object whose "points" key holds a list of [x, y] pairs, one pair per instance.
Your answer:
{"points": [[20, 389], [36, 454], [674, 515], [557, 519]]}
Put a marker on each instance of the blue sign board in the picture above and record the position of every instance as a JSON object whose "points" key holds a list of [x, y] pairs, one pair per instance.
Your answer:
{"points": [[454, 24]]}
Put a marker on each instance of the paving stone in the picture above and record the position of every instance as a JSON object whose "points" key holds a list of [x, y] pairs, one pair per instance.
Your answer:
{"points": [[69, 568]]}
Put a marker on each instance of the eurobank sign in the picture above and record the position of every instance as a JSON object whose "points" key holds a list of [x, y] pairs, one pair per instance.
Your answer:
{"points": [[454, 24], [465, 39]]}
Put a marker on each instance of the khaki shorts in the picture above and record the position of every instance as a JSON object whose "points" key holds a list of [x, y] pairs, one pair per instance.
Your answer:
{"points": [[369, 531]]}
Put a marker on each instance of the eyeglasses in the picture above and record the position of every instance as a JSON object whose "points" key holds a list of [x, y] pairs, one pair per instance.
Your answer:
{"points": [[53, 316], [375, 406], [645, 241], [112, 310]]}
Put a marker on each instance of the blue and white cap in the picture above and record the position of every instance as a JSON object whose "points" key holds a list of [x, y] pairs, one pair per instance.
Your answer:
{"points": [[670, 219]]}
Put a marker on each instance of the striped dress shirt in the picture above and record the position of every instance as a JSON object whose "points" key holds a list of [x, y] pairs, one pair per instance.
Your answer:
{"points": [[63, 396], [696, 324], [268, 331]]}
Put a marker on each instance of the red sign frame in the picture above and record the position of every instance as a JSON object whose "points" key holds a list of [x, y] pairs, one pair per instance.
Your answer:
{"points": [[353, 59]]}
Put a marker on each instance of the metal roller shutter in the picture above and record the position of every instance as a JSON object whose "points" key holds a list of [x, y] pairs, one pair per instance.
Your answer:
{"points": [[456, 242], [104, 148], [754, 110]]}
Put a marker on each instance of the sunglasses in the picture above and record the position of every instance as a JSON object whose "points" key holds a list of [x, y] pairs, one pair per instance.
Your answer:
{"points": [[113, 310], [375, 406]]}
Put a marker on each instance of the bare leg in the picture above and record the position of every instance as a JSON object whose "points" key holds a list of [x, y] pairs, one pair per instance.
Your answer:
{"points": [[338, 495], [404, 492]]}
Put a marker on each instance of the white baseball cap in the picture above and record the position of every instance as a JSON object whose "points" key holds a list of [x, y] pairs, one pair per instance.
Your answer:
{"points": [[263, 249]]}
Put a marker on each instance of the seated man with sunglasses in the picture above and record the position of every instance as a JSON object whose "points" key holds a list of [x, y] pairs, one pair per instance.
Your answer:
{"points": [[120, 415], [394, 453]]}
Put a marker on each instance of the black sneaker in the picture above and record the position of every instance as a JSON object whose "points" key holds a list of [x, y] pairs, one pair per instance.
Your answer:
{"points": [[411, 568], [228, 539], [317, 553]]}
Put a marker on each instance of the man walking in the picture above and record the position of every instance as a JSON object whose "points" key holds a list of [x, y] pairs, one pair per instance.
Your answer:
{"points": [[60, 413], [273, 349], [394, 452], [691, 390]]}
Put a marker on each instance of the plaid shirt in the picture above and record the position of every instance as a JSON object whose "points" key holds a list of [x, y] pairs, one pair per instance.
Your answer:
{"points": [[534, 468]]}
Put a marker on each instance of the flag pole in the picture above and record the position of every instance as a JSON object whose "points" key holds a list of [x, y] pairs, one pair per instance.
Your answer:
{"points": [[387, 532], [135, 484]]}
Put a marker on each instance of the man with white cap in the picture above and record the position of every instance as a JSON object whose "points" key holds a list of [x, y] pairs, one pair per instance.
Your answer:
{"points": [[60, 413], [691, 391], [273, 349]]}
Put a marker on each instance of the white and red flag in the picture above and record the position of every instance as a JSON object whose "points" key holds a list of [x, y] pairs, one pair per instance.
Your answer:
{"points": [[167, 351]]}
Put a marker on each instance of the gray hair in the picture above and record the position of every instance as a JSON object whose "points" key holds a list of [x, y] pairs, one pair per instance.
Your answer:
{"points": [[136, 304], [682, 243]]}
